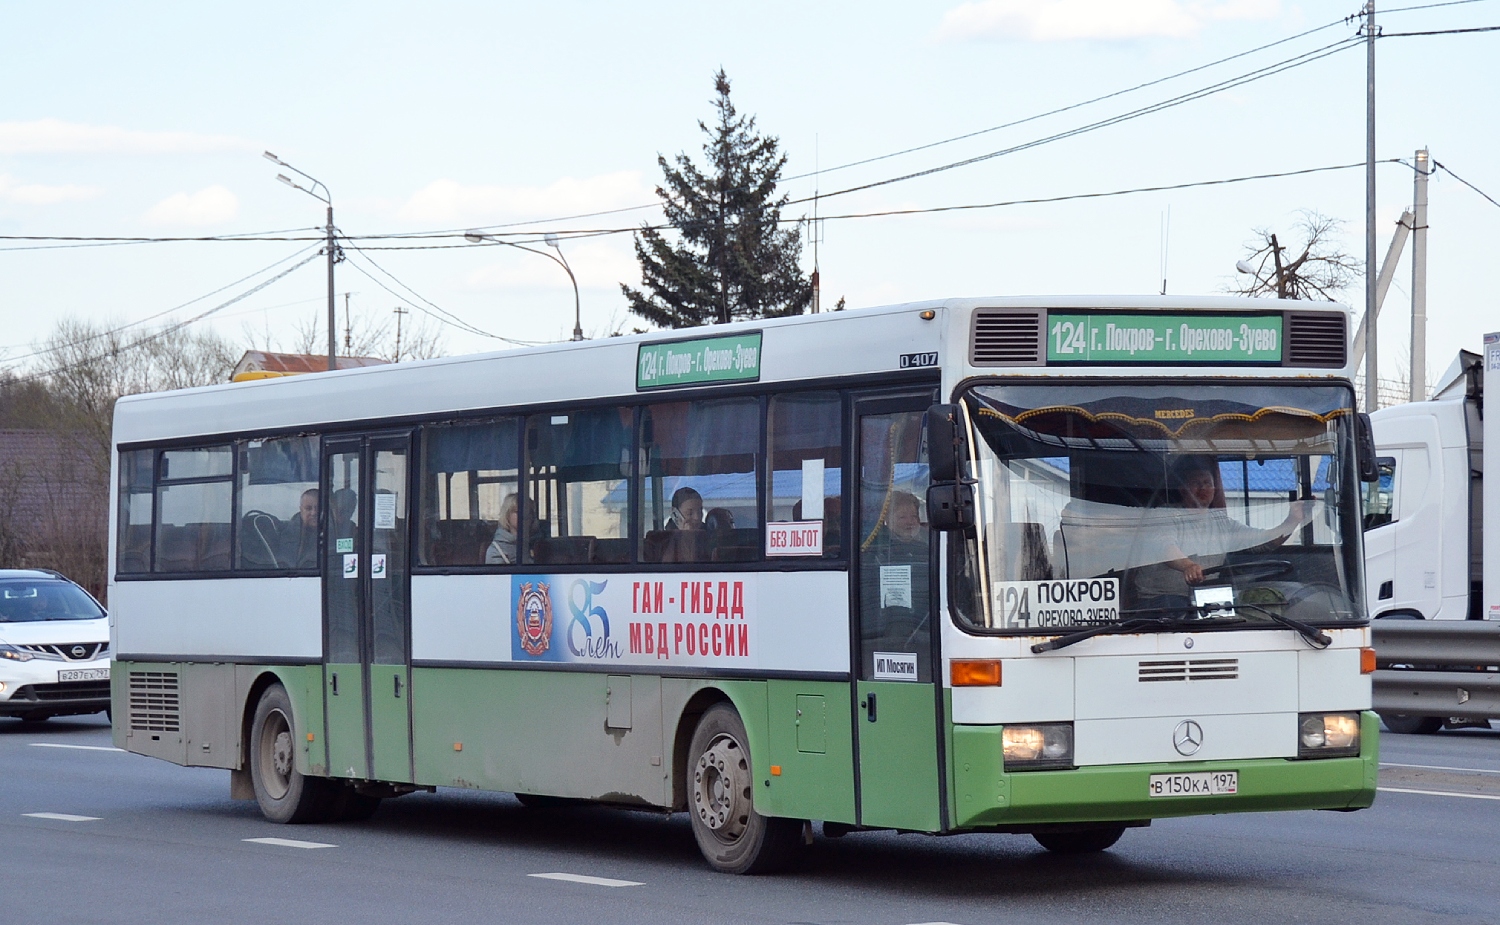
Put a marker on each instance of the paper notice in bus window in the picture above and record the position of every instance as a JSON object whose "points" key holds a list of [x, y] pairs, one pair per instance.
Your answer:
{"points": [[794, 538], [385, 512], [895, 666], [812, 489], [895, 586], [351, 565]]}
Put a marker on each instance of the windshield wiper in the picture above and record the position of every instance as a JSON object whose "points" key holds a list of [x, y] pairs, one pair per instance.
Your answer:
{"points": [[1164, 622], [1309, 632]]}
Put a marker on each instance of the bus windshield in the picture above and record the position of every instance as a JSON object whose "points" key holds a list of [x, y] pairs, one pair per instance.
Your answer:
{"points": [[1181, 501]]}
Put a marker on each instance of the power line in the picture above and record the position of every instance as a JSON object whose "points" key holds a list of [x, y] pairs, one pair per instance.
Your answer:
{"points": [[443, 315], [1404, 35], [1471, 186]]}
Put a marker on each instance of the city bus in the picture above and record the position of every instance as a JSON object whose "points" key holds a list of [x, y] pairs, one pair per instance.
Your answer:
{"points": [[1055, 567]]}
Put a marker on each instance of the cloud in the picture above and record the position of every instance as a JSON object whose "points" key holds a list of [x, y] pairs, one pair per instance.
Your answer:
{"points": [[36, 194], [53, 136], [452, 203], [211, 206], [1108, 20]]}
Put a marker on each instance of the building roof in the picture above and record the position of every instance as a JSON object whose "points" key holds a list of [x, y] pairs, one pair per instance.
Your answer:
{"points": [[294, 364]]}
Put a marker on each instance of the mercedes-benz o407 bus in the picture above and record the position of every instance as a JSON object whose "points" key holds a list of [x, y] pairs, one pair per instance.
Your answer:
{"points": [[1056, 566]]}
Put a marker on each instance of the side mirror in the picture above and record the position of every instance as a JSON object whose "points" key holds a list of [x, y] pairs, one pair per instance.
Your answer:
{"points": [[950, 506], [1364, 448], [945, 442]]}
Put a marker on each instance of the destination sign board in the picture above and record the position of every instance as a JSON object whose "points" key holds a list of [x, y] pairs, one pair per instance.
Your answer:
{"points": [[700, 361], [1163, 339]]}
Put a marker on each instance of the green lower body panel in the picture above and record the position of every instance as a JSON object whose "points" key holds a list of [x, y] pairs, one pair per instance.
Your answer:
{"points": [[986, 796], [898, 757], [346, 721], [390, 723]]}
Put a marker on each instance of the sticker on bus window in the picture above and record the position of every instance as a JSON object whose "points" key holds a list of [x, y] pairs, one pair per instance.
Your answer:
{"points": [[895, 586], [895, 666], [794, 538], [344, 544], [351, 565], [377, 565]]}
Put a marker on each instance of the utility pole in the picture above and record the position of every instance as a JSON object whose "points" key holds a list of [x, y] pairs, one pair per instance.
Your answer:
{"points": [[1383, 281], [1372, 368], [331, 247], [399, 312], [1419, 279]]}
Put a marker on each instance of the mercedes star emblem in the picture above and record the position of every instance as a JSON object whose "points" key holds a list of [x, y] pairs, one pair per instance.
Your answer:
{"points": [[1187, 738]]}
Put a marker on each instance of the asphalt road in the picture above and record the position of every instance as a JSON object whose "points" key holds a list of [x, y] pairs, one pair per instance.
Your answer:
{"points": [[131, 839]]}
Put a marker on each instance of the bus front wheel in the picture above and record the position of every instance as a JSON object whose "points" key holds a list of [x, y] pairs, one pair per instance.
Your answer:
{"points": [[1080, 841], [733, 837], [285, 795]]}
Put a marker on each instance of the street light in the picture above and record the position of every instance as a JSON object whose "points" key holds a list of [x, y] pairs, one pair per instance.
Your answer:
{"points": [[332, 247], [474, 237]]}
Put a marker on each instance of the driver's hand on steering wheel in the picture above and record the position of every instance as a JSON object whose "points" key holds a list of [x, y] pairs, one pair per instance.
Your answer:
{"points": [[1191, 571]]}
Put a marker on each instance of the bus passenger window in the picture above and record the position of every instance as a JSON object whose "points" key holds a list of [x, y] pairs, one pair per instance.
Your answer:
{"points": [[576, 509], [470, 513], [277, 504], [194, 503], [806, 444], [133, 545], [698, 495]]}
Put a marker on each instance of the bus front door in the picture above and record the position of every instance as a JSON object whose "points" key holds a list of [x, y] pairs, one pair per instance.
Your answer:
{"points": [[366, 610], [895, 690]]}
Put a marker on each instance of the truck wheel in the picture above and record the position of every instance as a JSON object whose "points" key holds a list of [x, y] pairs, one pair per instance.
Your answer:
{"points": [[284, 794], [1405, 724], [1086, 841], [733, 837]]}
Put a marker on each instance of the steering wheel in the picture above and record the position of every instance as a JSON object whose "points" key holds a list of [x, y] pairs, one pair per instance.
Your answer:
{"points": [[1254, 570]]}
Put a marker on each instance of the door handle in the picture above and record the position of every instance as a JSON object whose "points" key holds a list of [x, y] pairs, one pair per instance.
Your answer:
{"points": [[869, 704], [397, 685], [333, 679]]}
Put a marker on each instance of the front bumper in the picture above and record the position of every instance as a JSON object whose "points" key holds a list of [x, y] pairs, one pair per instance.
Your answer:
{"points": [[32, 687], [987, 797]]}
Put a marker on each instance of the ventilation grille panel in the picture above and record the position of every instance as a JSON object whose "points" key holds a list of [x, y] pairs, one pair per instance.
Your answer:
{"points": [[1317, 339], [1003, 337], [154, 706], [1189, 669]]}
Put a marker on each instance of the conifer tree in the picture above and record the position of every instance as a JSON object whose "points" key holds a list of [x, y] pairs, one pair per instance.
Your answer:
{"points": [[731, 258]]}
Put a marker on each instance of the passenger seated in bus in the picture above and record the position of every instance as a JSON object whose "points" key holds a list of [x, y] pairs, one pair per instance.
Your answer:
{"points": [[502, 549], [903, 538], [687, 510], [297, 540], [685, 538], [718, 520], [895, 569]]}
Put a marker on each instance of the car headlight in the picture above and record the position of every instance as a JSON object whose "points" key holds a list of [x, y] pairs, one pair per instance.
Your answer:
{"points": [[14, 654], [1327, 735], [1046, 745]]}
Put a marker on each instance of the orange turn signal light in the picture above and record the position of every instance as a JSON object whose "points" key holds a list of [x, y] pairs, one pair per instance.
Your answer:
{"points": [[975, 672], [775, 770], [1366, 660]]}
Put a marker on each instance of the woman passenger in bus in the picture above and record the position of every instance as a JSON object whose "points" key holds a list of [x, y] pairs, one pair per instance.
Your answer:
{"points": [[687, 540], [502, 549]]}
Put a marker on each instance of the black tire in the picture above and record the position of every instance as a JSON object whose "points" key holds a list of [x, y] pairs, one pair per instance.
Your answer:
{"points": [[284, 794], [1084, 841], [1406, 724], [734, 838], [349, 805]]}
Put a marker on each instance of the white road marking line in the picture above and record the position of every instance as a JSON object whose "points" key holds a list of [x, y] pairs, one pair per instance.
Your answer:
{"points": [[288, 843], [592, 881], [82, 748], [1437, 767], [62, 817], [932, 923], [1441, 793]]}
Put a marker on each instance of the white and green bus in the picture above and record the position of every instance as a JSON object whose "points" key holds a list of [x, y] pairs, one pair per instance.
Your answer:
{"points": [[1057, 567]]}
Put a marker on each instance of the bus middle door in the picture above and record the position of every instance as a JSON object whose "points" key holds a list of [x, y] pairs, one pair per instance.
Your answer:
{"points": [[367, 597]]}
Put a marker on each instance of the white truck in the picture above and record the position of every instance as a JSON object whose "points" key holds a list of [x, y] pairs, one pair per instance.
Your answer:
{"points": [[1426, 531]]}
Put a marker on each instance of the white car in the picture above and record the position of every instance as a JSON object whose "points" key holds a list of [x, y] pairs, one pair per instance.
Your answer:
{"points": [[54, 647]]}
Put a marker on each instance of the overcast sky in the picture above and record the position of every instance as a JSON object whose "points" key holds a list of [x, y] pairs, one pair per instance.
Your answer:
{"points": [[133, 119]]}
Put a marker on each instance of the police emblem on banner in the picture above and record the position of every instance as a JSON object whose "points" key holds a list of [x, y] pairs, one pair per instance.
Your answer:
{"points": [[534, 617]]}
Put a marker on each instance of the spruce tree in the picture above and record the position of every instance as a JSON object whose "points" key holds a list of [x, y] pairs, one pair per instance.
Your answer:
{"points": [[731, 259]]}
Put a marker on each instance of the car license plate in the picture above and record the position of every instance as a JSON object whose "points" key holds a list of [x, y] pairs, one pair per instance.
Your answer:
{"points": [[1195, 784], [83, 674]]}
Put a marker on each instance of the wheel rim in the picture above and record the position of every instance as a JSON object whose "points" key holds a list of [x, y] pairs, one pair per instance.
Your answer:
{"points": [[276, 755], [722, 787]]}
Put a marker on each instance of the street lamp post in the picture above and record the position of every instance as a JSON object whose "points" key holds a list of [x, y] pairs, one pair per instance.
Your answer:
{"points": [[474, 237], [331, 247]]}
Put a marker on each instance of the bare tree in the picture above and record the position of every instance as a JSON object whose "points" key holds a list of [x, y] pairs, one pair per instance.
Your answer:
{"points": [[361, 336], [1321, 271]]}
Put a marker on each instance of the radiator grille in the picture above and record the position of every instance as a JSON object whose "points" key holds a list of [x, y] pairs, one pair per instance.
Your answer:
{"points": [[1316, 339], [75, 652], [1008, 338], [1191, 669], [154, 705]]}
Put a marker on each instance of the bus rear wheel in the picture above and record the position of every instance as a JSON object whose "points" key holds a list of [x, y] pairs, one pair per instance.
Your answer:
{"points": [[1404, 724], [1080, 841], [733, 837], [285, 795]]}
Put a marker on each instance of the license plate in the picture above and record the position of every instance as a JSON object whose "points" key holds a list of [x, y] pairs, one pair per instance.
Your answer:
{"points": [[83, 674], [1195, 784]]}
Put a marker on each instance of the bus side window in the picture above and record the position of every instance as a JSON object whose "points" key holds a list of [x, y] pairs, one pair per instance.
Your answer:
{"points": [[577, 508], [277, 504], [805, 446], [698, 492], [194, 503], [469, 510], [133, 544]]}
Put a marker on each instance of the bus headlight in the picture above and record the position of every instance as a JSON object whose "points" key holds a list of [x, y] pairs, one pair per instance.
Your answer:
{"points": [[1047, 745], [1327, 735]]}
